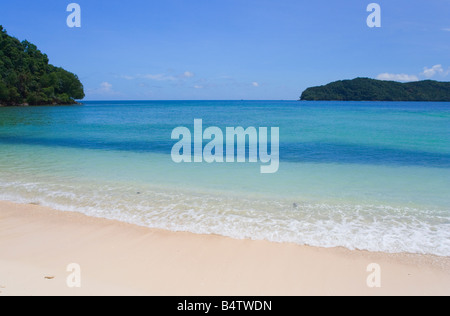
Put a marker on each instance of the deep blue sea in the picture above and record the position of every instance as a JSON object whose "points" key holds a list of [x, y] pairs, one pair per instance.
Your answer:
{"points": [[362, 175]]}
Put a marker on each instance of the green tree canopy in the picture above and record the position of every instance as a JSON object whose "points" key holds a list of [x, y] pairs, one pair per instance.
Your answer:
{"points": [[27, 77], [365, 89]]}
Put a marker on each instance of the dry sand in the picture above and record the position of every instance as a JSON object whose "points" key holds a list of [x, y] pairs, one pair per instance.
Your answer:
{"points": [[37, 244]]}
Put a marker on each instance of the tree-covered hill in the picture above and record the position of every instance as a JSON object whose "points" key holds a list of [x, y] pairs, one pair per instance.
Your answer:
{"points": [[365, 89], [26, 77]]}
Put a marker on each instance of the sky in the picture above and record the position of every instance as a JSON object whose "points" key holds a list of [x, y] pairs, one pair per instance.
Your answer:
{"points": [[233, 49]]}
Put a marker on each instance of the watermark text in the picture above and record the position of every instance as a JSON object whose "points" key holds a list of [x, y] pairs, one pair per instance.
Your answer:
{"points": [[236, 148]]}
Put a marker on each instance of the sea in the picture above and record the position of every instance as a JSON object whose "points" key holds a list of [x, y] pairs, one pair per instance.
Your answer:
{"points": [[371, 176]]}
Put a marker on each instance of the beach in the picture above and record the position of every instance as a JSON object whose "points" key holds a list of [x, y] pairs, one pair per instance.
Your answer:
{"points": [[37, 244], [361, 195], [214, 153]]}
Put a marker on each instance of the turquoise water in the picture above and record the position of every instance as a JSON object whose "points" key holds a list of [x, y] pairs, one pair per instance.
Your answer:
{"points": [[369, 175]]}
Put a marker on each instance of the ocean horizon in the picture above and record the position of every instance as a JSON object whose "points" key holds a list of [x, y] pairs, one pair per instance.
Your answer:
{"points": [[361, 175]]}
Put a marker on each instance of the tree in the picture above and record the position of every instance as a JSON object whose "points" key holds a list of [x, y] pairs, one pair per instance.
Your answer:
{"points": [[27, 77], [4, 94], [365, 89]]}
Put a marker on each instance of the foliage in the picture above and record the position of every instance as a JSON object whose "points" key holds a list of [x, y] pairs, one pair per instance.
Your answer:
{"points": [[27, 77], [365, 89]]}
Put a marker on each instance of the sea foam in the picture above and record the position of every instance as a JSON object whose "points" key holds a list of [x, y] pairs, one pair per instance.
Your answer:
{"points": [[378, 228]]}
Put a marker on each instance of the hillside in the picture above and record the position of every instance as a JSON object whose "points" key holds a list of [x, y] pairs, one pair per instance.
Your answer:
{"points": [[365, 89], [26, 77]]}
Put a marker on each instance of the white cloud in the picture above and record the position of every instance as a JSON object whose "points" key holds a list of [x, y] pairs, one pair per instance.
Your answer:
{"points": [[428, 73], [188, 74], [105, 87], [446, 30], [255, 84], [433, 71], [198, 87], [397, 77]]}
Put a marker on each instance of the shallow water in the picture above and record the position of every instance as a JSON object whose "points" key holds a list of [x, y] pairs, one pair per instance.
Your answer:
{"points": [[369, 175]]}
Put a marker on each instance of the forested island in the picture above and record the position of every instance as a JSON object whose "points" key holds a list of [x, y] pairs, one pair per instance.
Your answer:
{"points": [[365, 89], [27, 78]]}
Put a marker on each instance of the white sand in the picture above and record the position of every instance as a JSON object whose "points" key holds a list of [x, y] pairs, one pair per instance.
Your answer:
{"points": [[122, 259]]}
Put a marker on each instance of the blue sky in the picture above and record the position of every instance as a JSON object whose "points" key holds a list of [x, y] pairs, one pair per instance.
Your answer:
{"points": [[233, 49]]}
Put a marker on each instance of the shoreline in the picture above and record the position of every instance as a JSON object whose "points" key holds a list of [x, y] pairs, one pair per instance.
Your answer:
{"points": [[37, 244]]}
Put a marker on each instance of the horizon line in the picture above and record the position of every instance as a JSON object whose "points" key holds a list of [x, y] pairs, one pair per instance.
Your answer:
{"points": [[142, 100]]}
